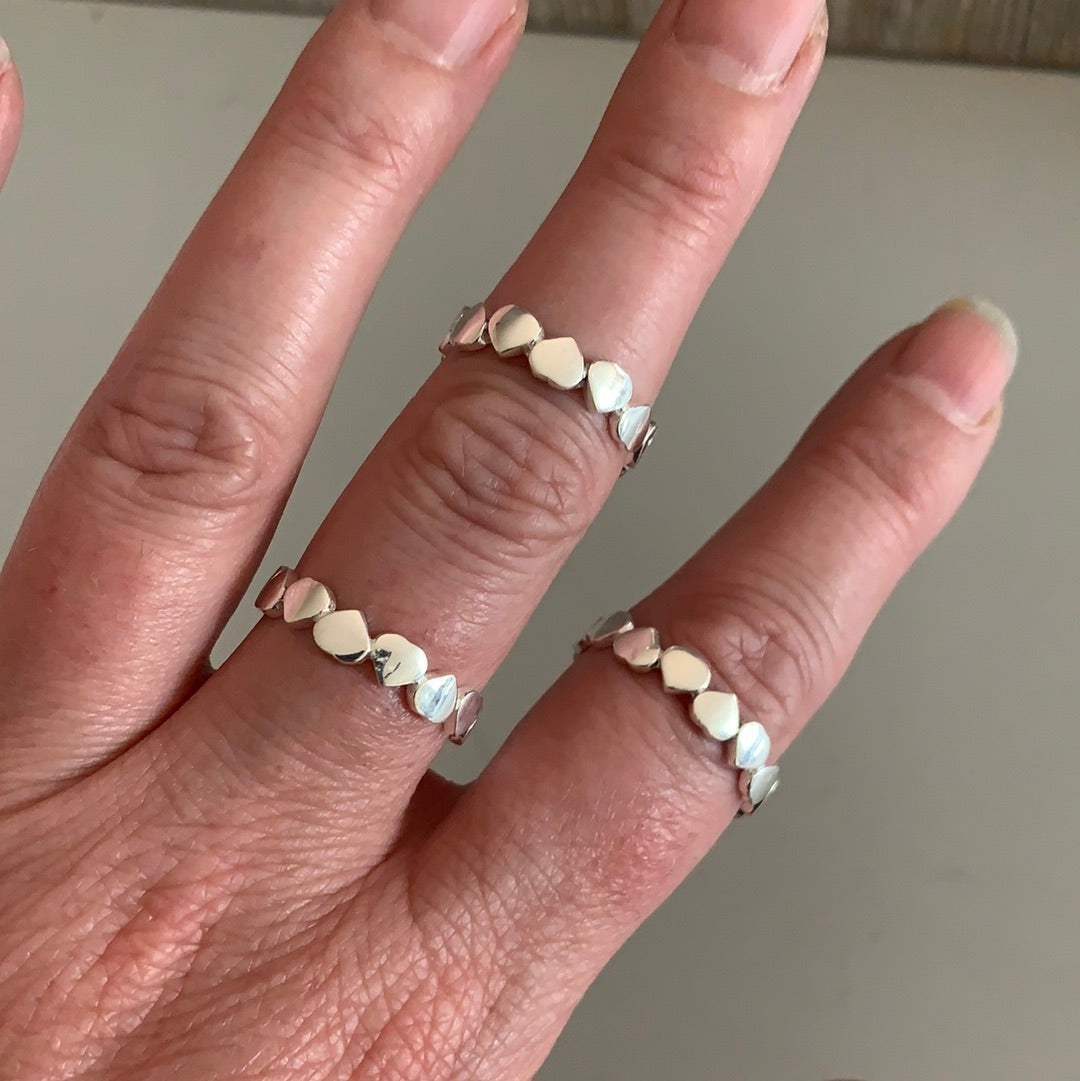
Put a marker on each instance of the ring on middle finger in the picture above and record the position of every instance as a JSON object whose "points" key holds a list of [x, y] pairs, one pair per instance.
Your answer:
{"points": [[512, 331]]}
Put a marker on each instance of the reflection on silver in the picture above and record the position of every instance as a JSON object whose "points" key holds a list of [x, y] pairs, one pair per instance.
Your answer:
{"points": [[468, 331], [398, 663], [685, 671], [646, 442], [610, 388], [271, 600], [752, 747], [345, 636], [306, 601], [631, 425], [717, 714], [514, 331], [464, 720], [639, 648], [558, 361], [758, 787], [604, 631], [434, 698]]}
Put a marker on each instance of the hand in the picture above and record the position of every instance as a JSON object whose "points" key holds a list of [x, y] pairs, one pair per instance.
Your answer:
{"points": [[251, 874]]}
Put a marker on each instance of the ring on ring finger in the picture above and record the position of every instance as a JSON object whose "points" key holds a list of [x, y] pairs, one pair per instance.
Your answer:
{"points": [[346, 636], [716, 713]]}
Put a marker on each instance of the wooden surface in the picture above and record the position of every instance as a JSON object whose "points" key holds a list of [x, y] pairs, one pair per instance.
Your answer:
{"points": [[1029, 33]]}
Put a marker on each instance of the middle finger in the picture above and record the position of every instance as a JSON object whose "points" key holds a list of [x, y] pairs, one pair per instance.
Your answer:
{"points": [[453, 529]]}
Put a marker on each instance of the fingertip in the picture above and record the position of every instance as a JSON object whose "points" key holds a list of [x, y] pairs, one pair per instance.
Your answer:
{"points": [[992, 315], [959, 362]]}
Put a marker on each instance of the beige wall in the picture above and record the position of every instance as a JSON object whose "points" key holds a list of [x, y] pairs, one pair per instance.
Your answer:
{"points": [[907, 909]]}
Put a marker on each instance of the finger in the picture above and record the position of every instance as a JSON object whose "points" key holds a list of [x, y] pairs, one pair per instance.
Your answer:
{"points": [[605, 796], [161, 499], [457, 523], [11, 107]]}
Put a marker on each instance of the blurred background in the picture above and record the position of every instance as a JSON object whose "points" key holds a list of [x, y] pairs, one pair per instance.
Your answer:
{"points": [[907, 907]]}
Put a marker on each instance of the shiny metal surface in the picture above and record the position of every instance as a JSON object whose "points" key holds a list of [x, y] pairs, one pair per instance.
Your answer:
{"points": [[751, 748], [434, 698], [631, 426], [271, 600], [717, 714], [398, 662], [344, 635], [639, 648], [647, 441], [684, 671], [558, 361], [514, 331], [604, 631], [469, 708], [760, 786], [610, 388], [468, 332], [306, 601]]}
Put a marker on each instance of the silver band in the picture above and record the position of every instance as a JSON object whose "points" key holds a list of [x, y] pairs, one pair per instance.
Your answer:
{"points": [[345, 636], [716, 713], [514, 332]]}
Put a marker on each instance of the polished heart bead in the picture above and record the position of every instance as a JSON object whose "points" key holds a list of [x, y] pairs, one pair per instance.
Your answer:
{"points": [[434, 698], [558, 361], [631, 426], [468, 713], [306, 601], [639, 648], [685, 671], [646, 442], [610, 388], [468, 331], [398, 663], [344, 635], [271, 601], [717, 714], [751, 748], [605, 631], [760, 786], [514, 331]]}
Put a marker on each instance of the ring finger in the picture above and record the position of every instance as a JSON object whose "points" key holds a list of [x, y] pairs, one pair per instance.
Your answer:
{"points": [[607, 795], [457, 523]]}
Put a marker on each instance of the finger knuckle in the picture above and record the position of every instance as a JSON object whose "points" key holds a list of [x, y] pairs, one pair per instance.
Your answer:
{"points": [[165, 444], [373, 148], [491, 476], [683, 185], [770, 636]]}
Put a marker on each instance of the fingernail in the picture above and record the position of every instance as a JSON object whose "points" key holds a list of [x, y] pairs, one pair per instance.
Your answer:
{"points": [[749, 45], [960, 361], [5, 54], [449, 33]]}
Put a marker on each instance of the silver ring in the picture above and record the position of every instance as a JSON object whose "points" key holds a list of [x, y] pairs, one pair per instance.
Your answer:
{"points": [[717, 714], [345, 636], [514, 332]]}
